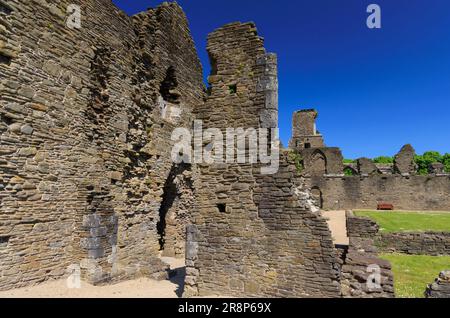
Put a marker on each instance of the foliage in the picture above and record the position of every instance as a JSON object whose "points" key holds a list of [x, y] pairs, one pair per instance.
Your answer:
{"points": [[446, 162], [383, 160], [349, 171], [297, 159], [391, 222], [349, 161], [424, 161], [412, 273]]}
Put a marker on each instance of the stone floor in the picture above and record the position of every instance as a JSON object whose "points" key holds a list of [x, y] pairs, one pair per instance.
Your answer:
{"points": [[337, 222], [140, 288]]}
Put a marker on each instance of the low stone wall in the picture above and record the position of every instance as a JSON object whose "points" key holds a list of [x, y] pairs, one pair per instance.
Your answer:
{"points": [[429, 243], [440, 288], [427, 193], [363, 274]]}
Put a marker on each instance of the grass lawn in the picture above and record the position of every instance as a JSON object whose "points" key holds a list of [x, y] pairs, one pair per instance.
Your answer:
{"points": [[409, 221], [412, 273]]}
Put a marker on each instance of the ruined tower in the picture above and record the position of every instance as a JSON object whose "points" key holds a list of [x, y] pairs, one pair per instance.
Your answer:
{"points": [[252, 234], [304, 131]]}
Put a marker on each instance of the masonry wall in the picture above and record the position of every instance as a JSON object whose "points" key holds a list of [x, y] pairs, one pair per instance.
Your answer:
{"points": [[429, 243], [252, 234], [428, 193], [85, 138], [363, 273]]}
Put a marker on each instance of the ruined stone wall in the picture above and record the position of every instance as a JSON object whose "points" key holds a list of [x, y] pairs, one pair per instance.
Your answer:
{"points": [[322, 161], [304, 132], [441, 286], [363, 274], [85, 136], [415, 243], [252, 234], [428, 193]]}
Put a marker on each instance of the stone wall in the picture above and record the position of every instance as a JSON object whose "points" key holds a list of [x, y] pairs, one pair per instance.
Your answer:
{"points": [[430, 243], [304, 132], [441, 286], [322, 161], [252, 234], [427, 193], [86, 118], [363, 274]]}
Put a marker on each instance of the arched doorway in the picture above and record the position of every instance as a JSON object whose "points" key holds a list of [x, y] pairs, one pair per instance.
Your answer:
{"points": [[318, 163]]}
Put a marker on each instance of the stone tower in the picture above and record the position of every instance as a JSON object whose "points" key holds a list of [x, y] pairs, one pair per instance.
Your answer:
{"points": [[304, 131]]}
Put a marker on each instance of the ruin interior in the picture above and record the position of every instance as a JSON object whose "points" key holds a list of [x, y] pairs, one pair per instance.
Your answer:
{"points": [[86, 175]]}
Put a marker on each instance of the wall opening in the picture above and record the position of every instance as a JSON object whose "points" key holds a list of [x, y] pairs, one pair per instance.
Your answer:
{"points": [[307, 145], [232, 89], [4, 8], [7, 120], [4, 240], [222, 207], [349, 171], [318, 163], [168, 87], [317, 196], [5, 59], [174, 211], [168, 199]]}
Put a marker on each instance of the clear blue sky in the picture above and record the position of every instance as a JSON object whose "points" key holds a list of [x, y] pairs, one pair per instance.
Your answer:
{"points": [[375, 90]]}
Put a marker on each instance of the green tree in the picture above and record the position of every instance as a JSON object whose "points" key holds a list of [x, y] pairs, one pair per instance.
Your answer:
{"points": [[383, 160], [446, 162], [424, 161], [349, 161], [349, 171]]}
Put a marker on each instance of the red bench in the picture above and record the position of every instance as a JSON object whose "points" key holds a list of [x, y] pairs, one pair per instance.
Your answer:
{"points": [[385, 207]]}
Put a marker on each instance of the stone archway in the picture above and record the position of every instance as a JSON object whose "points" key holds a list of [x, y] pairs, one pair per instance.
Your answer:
{"points": [[318, 163]]}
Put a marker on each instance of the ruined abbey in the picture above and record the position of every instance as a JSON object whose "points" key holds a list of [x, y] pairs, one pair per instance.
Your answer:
{"points": [[87, 178], [368, 184]]}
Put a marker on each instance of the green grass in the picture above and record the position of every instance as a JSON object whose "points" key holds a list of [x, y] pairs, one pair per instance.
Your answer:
{"points": [[391, 222], [412, 273]]}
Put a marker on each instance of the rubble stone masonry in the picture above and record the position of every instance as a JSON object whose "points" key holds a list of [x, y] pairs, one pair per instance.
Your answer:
{"points": [[252, 234], [85, 136]]}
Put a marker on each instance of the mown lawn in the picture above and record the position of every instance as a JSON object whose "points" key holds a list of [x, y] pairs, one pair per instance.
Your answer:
{"points": [[409, 221], [412, 273]]}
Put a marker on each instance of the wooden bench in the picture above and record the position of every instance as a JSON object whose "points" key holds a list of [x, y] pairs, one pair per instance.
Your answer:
{"points": [[385, 207]]}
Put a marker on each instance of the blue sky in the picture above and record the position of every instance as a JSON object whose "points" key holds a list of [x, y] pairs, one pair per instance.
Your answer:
{"points": [[375, 90]]}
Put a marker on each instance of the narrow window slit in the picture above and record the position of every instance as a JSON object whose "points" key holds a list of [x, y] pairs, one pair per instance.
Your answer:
{"points": [[5, 59]]}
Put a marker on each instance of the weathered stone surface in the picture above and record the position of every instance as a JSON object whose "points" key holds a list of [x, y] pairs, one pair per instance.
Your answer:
{"points": [[441, 286], [254, 234], [404, 161], [429, 243], [78, 112], [366, 167], [363, 274], [404, 192]]}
